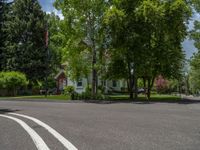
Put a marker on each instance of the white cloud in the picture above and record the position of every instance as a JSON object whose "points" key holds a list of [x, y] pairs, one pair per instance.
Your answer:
{"points": [[59, 14]]}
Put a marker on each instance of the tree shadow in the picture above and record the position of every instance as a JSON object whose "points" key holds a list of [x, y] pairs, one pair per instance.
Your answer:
{"points": [[147, 102], [5, 111]]}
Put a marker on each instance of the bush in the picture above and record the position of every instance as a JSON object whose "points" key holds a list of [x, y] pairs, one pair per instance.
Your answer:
{"points": [[89, 96], [12, 81], [70, 90]]}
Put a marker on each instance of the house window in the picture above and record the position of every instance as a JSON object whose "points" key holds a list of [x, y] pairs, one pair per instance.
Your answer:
{"points": [[103, 83], [79, 83], [114, 83]]}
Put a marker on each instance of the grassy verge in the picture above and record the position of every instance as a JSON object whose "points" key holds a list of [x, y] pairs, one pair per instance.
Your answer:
{"points": [[154, 97], [49, 97]]}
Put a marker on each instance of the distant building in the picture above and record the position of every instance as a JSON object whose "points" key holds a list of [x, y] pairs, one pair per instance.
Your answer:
{"points": [[61, 81], [109, 85]]}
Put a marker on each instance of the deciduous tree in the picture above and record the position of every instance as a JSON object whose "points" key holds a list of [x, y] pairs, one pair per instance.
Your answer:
{"points": [[83, 24]]}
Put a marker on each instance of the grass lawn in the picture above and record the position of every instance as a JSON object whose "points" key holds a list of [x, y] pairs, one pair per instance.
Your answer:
{"points": [[154, 97], [49, 97]]}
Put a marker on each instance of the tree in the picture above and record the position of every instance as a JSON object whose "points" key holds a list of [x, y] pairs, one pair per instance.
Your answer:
{"points": [[196, 4], [55, 42], [84, 24], [26, 41], [164, 43], [125, 41], [12, 81], [194, 75], [147, 36], [4, 9]]}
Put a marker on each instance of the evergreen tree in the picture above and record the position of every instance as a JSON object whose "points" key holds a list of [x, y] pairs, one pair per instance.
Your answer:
{"points": [[4, 5], [25, 44]]}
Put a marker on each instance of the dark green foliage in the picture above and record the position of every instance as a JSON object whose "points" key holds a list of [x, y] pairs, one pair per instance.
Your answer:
{"points": [[147, 36], [26, 41], [4, 9]]}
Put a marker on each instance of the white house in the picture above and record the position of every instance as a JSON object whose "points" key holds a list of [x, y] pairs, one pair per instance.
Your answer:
{"points": [[110, 85]]}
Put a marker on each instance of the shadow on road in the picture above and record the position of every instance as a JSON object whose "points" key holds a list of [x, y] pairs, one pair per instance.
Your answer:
{"points": [[147, 102], [4, 111]]}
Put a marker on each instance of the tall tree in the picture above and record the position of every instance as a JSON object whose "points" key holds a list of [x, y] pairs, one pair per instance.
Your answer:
{"points": [[4, 9], [55, 42], [26, 41], [147, 37], [164, 43], [194, 76], [84, 20]]}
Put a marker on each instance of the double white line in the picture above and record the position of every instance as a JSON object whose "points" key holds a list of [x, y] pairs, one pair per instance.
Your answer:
{"points": [[40, 144]]}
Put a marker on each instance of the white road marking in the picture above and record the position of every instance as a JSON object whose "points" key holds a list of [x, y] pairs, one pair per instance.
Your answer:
{"points": [[57, 135], [39, 143]]}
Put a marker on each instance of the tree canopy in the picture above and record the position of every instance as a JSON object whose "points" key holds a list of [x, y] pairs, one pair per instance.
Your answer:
{"points": [[147, 36], [25, 44], [194, 77]]}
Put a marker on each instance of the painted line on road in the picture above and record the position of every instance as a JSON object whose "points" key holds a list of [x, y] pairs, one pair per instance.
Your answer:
{"points": [[39, 143], [57, 135]]}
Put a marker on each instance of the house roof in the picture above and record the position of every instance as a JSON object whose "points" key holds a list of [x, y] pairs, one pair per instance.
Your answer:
{"points": [[61, 72]]}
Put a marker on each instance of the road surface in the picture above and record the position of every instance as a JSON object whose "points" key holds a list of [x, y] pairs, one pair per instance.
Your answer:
{"points": [[29, 125]]}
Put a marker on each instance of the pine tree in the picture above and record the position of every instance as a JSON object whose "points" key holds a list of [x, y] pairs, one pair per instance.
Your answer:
{"points": [[25, 45], [3, 10]]}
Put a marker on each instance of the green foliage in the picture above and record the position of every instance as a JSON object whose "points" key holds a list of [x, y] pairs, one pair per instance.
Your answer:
{"points": [[69, 90], [148, 34], [12, 81], [83, 31], [4, 9], [56, 39], [196, 4], [194, 78], [89, 96], [25, 45], [194, 75]]}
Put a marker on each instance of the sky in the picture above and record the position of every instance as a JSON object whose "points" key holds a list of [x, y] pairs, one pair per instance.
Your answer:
{"points": [[188, 45]]}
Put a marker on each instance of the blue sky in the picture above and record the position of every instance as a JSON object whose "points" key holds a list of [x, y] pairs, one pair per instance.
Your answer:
{"points": [[47, 5], [188, 45]]}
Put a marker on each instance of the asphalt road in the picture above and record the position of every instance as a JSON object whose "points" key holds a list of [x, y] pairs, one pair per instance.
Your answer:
{"points": [[91, 126]]}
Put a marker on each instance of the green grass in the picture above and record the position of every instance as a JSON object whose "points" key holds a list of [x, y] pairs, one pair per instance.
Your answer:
{"points": [[49, 97], [154, 97]]}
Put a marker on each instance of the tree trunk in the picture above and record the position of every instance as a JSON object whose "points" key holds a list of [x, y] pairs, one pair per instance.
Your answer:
{"points": [[131, 87], [136, 88], [149, 88], [94, 74], [150, 85], [145, 88], [128, 85]]}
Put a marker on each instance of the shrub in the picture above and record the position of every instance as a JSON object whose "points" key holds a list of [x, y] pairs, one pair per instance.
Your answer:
{"points": [[70, 90], [12, 81], [89, 96]]}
